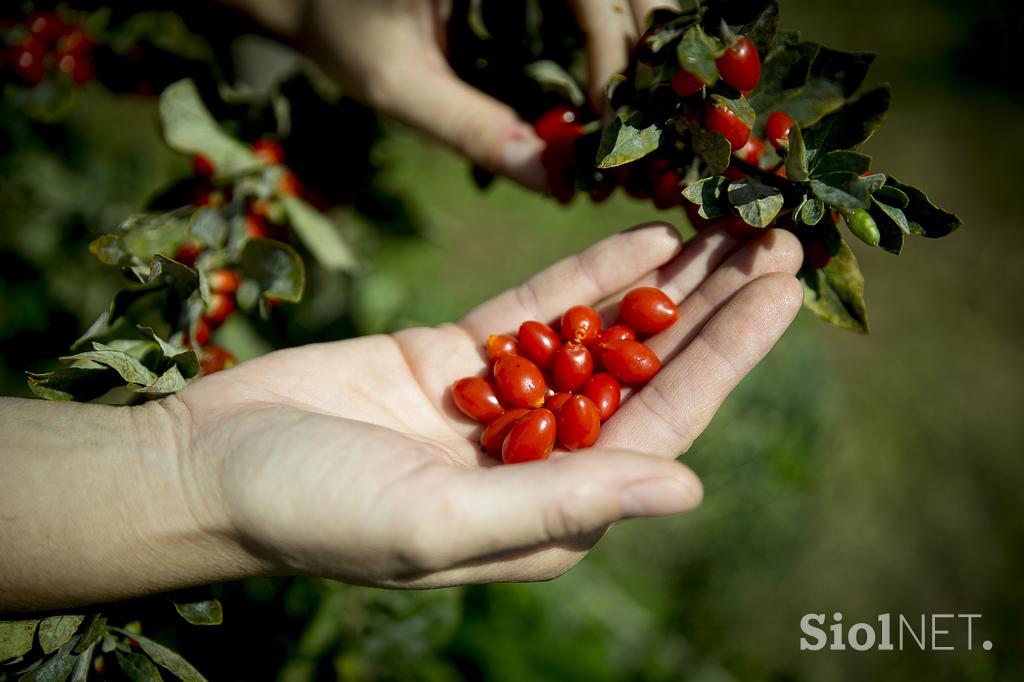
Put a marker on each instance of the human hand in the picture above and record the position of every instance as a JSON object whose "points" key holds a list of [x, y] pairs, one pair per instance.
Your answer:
{"points": [[349, 460], [391, 55]]}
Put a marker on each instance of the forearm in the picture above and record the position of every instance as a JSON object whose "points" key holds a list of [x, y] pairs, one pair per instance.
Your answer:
{"points": [[97, 504]]}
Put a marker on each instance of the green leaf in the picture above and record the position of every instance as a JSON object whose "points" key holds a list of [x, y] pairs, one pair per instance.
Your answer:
{"points": [[812, 211], [553, 78], [56, 630], [762, 30], [319, 234], [164, 29], [475, 19], [891, 231], [737, 104], [924, 217], [796, 156], [758, 204], [842, 160], [57, 668], [850, 126], [276, 267], [184, 358], [171, 381], [697, 53], [892, 196], [208, 227], [138, 668], [874, 182], [841, 189], [142, 235], [626, 139], [169, 660], [16, 637], [713, 148], [130, 369], [189, 128], [95, 629], [894, 213], [710, 194], [205, 612], [73, 383], [836, 292]]}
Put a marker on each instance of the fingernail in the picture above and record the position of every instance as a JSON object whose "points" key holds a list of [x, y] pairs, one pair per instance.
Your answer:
{"points": [[659, 497], [521, 156]]}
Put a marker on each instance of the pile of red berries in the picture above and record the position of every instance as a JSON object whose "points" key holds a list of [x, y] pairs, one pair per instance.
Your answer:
{"points": [[549, 386], [43, 43]]}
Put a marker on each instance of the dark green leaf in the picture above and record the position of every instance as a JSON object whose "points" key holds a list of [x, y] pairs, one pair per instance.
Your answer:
{"points": [[130, 369], [850, 126], [836, 293], [713, 148], [172, 274], [842, 160], [73, 383], [276, 267], [924, 217], [697, 53], [894, 213], [205, 612], [171, 381], [762, 30], [16, 637], [185, 359], [56, 630], [758, 204], [553, 78], [796, 156], [190, 129], [138, 668], [57, 668], [841, 189], [628, 138], [890, 231], [846, 70], [784, 70], [874, 181], [94, 630], [812, 211], [737, 104], [209, 227], [169, 660], [892, 196], [710, 194], [319, 234]]}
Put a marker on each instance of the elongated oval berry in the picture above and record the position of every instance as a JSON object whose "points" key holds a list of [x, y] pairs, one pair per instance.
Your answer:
{"points": [[519, 381], [538, 342], [557, 123], [494, 433], [531, 438], [572, 366], [740, 66], [605, 392], [648, 310], [581, 323], [776, 129], [618, 332], [631, 362], [554, 402], [752, 151], [500, 345], [864, 226], [719, 118], [685, 83], [477, 398], [579, 423]]}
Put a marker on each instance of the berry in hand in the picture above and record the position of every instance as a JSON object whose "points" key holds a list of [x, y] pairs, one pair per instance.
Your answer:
{"points": [[538, 342], [500, 345], [571, 366], [605, 392], [648, 310], [581, 323], [520, 382], [578, 422], [631, 362], [740, 66], [494, 434], [477, 398], [531, 438]]}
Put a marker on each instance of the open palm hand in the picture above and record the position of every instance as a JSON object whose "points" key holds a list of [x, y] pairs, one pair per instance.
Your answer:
{"points": [[349, 460]]}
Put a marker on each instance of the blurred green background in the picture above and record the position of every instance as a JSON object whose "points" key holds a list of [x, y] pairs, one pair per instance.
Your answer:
{"points": [[860, 474]]}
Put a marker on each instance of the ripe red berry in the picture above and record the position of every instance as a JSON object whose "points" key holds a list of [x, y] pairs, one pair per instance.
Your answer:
{"points": [[187, 253], [257, 226], [776, 129], [816, 256], [578, 422], [26, 60], [477, 398], [224, 281], [557, 123], [216, 359], [648, 310], [618, 332], [201, 332], [581, 323], [685, 83], [290, 184], [571, 366], [75, 42], [752, 151], [538, 342], [667, 191], [631, 362], [531, 438], [496, 431], [45, 25], [269, 151], [202, 166], [218, 309], [720, 119], [500, 345], [78, 67], [519, 381], [738, 228], [555, 401], [740, 66], [605, 392]]}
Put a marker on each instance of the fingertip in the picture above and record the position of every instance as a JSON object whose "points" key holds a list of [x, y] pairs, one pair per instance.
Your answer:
{"points": [[521, 158]]}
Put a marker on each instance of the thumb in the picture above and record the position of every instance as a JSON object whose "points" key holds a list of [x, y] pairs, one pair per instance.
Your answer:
{"points": [[523, 505], [478, 126]]}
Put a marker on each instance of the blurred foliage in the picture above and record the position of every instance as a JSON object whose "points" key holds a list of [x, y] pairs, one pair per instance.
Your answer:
{"points": [[864, 475]]}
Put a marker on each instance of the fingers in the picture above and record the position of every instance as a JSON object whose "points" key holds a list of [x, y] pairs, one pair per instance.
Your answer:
{"points": [[668, 414], [610, 33], [502, 509], [585, 277]]}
